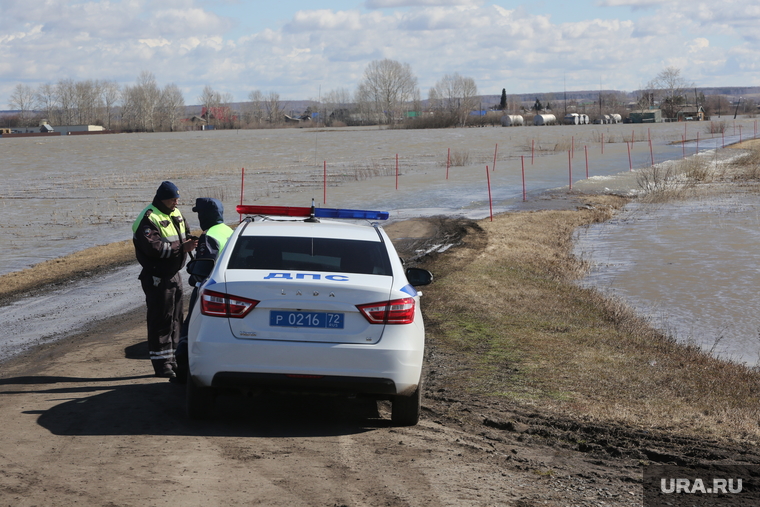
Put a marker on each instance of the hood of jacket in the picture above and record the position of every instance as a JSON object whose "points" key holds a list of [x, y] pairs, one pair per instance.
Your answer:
{"points": [[210, 212]]}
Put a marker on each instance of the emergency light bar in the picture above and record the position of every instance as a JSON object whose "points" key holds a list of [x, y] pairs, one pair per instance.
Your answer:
{"points": [[294, 211]]}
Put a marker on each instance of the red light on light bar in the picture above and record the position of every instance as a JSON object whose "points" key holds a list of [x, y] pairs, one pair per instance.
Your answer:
{"points": [[285, 211]]}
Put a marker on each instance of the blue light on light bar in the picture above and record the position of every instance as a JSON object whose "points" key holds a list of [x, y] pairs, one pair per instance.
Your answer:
{"points": [[351, 213]]}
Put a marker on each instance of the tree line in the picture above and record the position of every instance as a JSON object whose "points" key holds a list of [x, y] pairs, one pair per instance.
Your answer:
{"points": [[388, 93]]}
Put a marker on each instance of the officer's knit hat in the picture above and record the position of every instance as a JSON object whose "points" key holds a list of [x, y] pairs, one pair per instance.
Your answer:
{"points": [[167, 190]]}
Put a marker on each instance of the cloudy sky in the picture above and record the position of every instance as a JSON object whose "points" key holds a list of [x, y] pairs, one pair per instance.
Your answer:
{"points": [[301, 49]]}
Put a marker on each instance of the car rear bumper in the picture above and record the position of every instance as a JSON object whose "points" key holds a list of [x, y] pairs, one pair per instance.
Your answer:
{"points": [[391, 366]]}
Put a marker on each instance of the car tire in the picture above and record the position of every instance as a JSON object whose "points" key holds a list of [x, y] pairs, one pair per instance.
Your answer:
{"points": [[199, 400], [405, 410]]}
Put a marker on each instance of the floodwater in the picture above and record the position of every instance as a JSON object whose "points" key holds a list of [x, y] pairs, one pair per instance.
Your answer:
{"points": [[63, 194], [690, 267]]}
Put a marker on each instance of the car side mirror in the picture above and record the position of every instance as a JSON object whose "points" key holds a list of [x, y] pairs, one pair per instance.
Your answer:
{"points": [[418, 276], [201, 268]]}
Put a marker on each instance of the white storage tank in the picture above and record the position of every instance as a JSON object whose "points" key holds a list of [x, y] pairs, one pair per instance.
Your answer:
{"points": [[511, 120], [544, 119], [572, 119], [585, 120], [616, 118]]}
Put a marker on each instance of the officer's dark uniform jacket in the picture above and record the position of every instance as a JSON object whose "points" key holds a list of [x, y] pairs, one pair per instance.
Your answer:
{"points": [[158, 234]]}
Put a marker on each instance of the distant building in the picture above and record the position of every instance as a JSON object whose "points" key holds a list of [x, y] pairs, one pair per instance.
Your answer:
{"points": [[648, 116], [692, 113], [60, 129]]}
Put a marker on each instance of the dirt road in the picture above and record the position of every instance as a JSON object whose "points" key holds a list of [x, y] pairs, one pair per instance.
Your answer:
{"points": [[84, 423]]}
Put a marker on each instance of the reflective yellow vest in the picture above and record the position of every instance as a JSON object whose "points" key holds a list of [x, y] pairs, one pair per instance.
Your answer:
{"points": [[165, 225]]}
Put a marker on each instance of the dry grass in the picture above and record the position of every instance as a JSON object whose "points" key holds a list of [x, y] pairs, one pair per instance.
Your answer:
{"points": [[84, 263], [507, 303], [459, 158]]}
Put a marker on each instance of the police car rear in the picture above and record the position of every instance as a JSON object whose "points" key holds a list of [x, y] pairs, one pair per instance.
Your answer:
{"points": [[309, 306]]}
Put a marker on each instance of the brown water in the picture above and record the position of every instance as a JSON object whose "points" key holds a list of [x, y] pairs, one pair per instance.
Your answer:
{"points": [[691, 267], [66, 193]]}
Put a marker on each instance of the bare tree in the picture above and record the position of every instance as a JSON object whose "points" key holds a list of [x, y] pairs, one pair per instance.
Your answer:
{"points": [[110, 92], [48, 101], [140, 103], [336, 106], [227, 114], [254, 108], [388, 85], [274, 109], [86, 101], [65, 94], [171, 107], [717, 105], [671, 89], [24, 99], [455, 96], [365, 106], [210, 100]]}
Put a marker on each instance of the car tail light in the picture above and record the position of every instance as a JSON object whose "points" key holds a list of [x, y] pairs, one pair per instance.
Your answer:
{"points": [[398, 311], [217, 304]]}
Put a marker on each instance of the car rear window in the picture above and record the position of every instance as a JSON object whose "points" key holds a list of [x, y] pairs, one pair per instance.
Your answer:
{"points": [[310, 254]]}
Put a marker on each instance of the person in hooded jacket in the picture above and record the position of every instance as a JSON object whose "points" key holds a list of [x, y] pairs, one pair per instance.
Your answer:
{"points": [[161, 244], [215, 232], [215, 235]]}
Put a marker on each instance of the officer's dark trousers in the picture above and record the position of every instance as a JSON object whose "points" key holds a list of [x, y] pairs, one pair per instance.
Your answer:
{"points": [[164, 304]]}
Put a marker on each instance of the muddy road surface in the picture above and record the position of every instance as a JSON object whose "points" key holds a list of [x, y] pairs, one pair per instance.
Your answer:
{"points": [[84, 423]]}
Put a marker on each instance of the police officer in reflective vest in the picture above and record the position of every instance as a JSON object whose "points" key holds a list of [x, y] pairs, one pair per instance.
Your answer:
{"points": [[161, 245], [215, 235], [215, 232]]}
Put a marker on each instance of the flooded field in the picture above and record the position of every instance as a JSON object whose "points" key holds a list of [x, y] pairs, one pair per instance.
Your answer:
{"points": [[66, 193]]}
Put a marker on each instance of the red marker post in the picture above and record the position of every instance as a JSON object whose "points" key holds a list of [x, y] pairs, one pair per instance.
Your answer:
{"points": [[630, 163], [448, 163], [570, 167], [396, 171], [522, 162], [490, 201], [585, 148], [495, 151]]}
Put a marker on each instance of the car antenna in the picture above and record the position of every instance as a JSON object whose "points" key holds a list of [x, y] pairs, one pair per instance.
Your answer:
{"points": [[312, 218]]}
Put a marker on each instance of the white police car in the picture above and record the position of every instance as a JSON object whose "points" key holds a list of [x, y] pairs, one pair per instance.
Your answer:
{"points": [[308, 305]]}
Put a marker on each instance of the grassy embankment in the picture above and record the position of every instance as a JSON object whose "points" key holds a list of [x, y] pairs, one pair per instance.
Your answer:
{"points": [[507, 303]]}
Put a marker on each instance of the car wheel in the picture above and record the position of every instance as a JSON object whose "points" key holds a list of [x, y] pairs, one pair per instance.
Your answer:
{"points": [[405, 410], [199, 400]]}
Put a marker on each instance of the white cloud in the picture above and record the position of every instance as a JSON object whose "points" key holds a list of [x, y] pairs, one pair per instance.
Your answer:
{"points": [[698, 44], [631, 3], [395, 4], [182, 42]]}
